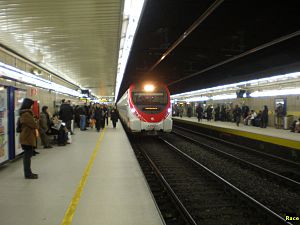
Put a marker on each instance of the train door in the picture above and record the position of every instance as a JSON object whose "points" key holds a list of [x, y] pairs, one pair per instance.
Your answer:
{"points": [[4, 142]]}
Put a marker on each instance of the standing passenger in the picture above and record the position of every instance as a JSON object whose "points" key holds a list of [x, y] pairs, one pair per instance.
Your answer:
{"points": [[44, 127], [114, 116], [66, 114], [106, 111], [209, 110], [98, 116], [199, 111], [217, 113], [180, 111], [28, 136], [237, 113], [264, 117], [279, 115], [82, 118], [77, 115], [103, 116]]}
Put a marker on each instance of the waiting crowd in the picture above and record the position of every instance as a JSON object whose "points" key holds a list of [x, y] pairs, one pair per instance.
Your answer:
{"points": [[59, 126], [237, 114]]}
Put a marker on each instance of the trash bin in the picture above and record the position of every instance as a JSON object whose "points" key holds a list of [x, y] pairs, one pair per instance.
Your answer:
{"points": [[287, 121]]}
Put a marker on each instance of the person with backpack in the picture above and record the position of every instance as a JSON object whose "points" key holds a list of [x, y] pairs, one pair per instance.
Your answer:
{"points": [[28, 136]]}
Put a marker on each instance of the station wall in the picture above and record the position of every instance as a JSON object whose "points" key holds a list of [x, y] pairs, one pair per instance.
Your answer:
{"points": [[292, 101]]}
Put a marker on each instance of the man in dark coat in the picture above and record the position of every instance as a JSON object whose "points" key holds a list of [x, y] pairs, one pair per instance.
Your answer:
{"points": [[264, 117], [245, 110], [199, 111], [114, 116], [209, 110], [98, 116], [103, 116], [223, 113], [66, 114], [217, 113], [237, 113]]}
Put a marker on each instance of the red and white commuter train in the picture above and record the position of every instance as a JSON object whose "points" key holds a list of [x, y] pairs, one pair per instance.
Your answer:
{"points": [[146, 108]]}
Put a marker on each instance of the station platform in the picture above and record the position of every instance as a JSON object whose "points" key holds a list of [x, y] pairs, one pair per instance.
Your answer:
{"points": [[115, 192], [270, 134]]}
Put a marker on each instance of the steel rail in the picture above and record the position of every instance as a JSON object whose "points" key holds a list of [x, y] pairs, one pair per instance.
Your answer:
{"points": [[227, 183], [291, 182], [181, 206], [253, 50], [282, 160], [188, 31]]}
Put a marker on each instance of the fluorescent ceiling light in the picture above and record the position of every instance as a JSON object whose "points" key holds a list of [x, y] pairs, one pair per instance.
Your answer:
{"points": [[269, 93], [131, 16], [224, 97], [28, 78], [197, 99], [239, 85]]}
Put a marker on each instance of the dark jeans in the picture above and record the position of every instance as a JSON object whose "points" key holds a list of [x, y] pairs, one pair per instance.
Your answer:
{"points": [[114, 123], [28, 153], [82, 122]]}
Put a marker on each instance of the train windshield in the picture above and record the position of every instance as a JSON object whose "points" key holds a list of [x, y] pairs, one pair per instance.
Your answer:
{"points": [[144, 98]]}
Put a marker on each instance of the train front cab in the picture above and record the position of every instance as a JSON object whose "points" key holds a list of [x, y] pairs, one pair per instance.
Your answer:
{"points": [[150, 110], [136, 125]]}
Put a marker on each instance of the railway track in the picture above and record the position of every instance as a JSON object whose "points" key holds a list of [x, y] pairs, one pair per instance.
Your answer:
{"points": [[280, 169], [203, 196], [281, 197]]}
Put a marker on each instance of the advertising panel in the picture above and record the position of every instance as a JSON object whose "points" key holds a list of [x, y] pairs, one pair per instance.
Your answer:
{"points": [[3, 125], [19, 97]]}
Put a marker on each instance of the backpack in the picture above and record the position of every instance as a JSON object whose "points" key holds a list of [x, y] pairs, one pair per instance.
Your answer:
{"points": [[19, 126]]}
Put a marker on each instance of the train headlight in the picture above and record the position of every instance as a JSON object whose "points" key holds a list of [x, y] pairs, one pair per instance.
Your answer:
{"points": [[169, 110], [149, 87]]}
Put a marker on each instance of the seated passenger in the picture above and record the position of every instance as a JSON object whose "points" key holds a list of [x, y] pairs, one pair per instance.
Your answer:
{"points": [[257, 119], [59, 128], [296, 126], [249, 120]]}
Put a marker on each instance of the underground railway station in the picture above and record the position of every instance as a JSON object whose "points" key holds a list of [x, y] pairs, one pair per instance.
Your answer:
{"points": [[144, 112]]}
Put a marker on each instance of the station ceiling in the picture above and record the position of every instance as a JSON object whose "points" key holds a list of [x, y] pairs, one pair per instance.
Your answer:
{"points": [[233, 28], [76, 39]]}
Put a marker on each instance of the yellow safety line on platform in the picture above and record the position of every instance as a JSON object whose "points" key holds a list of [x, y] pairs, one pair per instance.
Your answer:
{"points": [[76, 198]]}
